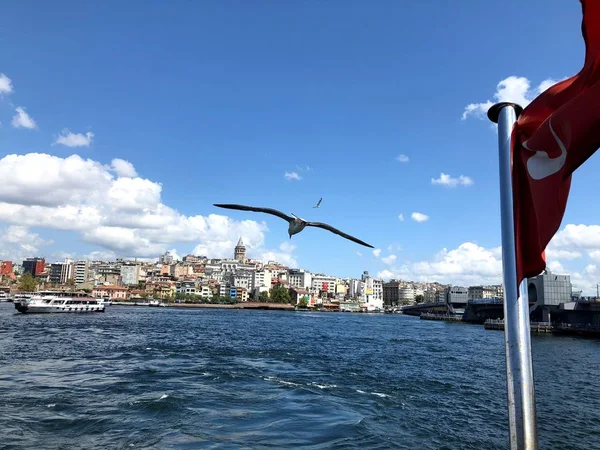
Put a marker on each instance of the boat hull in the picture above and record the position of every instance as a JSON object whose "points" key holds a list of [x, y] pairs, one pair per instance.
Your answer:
{"points": [[26, 307]]}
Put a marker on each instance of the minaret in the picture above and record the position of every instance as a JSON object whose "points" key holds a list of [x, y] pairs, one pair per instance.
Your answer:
{"points": [[240, 251]]}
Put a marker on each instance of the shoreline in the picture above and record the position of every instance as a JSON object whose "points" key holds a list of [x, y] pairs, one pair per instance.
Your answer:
{"points": [[244, 305]]}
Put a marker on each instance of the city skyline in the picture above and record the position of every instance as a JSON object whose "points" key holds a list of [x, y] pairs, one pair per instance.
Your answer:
{"points": [[39, 266], [130, 159]]}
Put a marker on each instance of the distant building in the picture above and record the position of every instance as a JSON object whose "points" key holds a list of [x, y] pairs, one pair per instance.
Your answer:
{"points": [[457, 294], [186, 287], [406, 295], [261, 278], [480, 292], [390, 292], [241, 294], [239, 253], [6, 267], [34, 266], [549, 289], [81, 271], [60, 273], [372, 295], [191, 259], [242, 279], [181, 270], [298, 294], [111, 292], [130, 274], [300, 278], [324, 283], [166, 259], [430, 295]]}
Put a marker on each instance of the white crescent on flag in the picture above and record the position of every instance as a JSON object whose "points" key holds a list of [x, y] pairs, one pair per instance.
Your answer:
{"points": [[540, 165]]}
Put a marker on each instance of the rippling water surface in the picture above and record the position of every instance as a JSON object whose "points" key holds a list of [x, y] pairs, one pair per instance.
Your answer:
{"points": [[183, 379]]}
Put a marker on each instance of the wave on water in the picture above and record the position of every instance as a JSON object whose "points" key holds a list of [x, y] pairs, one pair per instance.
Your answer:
{"points": [[180, 379]]}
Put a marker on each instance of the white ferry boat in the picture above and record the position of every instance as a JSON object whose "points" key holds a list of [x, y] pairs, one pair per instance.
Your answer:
{"points": [[57, 304]]}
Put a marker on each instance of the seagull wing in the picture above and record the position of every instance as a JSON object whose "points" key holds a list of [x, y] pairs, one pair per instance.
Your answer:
{"points": [[336, 231], [318, 203], [271, 211]]}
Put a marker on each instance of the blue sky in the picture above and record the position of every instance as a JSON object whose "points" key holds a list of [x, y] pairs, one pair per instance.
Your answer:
{"points": [[215, 101]]}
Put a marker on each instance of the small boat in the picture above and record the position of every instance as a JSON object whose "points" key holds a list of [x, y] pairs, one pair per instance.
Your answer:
{"points": [[3, 297], [56, 304], [156, 303]]}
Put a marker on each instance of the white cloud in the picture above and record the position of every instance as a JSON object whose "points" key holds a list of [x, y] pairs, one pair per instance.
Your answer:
{"points": [[100, 255], [174, 254], [123, 168], [359, 254], [292, 176], [391, 259], [401, 218], [124, 215], [465, 265], [385, 275], [472, 264], [284, 256], [571, 237], [377, 252], [6, 86], [546, 84], [512, 89], [18, 243], [449, 181], [402, 158], [552, 253], [419, 217], [74, 139], [23, 120]]}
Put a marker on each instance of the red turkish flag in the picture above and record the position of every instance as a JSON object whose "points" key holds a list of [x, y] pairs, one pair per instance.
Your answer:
{"points": [[555, 134]]}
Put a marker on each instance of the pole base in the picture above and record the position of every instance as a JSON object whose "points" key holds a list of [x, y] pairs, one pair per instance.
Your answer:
{"points": [[494, 112]]}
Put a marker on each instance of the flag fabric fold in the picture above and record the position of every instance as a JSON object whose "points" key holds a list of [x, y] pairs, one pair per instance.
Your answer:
{"points": [[556, 133]]}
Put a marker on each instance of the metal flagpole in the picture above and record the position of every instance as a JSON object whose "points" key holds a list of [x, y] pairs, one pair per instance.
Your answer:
{"points": [[517, 338]]}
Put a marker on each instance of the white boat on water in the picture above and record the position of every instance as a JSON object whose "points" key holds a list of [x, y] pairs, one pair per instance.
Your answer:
{"points": [[57, 304], [156, 303], [3, 297]]}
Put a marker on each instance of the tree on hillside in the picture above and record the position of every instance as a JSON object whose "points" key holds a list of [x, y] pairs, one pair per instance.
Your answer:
{"points": [[27, 283], [419, 298], [280, 294], [263, 297]]}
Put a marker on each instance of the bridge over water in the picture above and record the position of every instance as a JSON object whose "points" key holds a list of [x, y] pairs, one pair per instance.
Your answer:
{"points": [[478, 310]]}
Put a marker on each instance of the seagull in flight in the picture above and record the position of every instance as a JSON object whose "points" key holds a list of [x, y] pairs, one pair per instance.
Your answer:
{"points": [[296, 223], [318, 203]]}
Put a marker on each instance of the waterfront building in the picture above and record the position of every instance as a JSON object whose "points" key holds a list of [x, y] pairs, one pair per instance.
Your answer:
{"points": [[110, 292], [549, 289], [82, 271], [185, 287], [481, 292], [34, 266], [299, 278], [6, 267], [324, 283], [166, 259], [242, 279], [130, 274], [406, 295], [61, 272], [457, 295]]}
